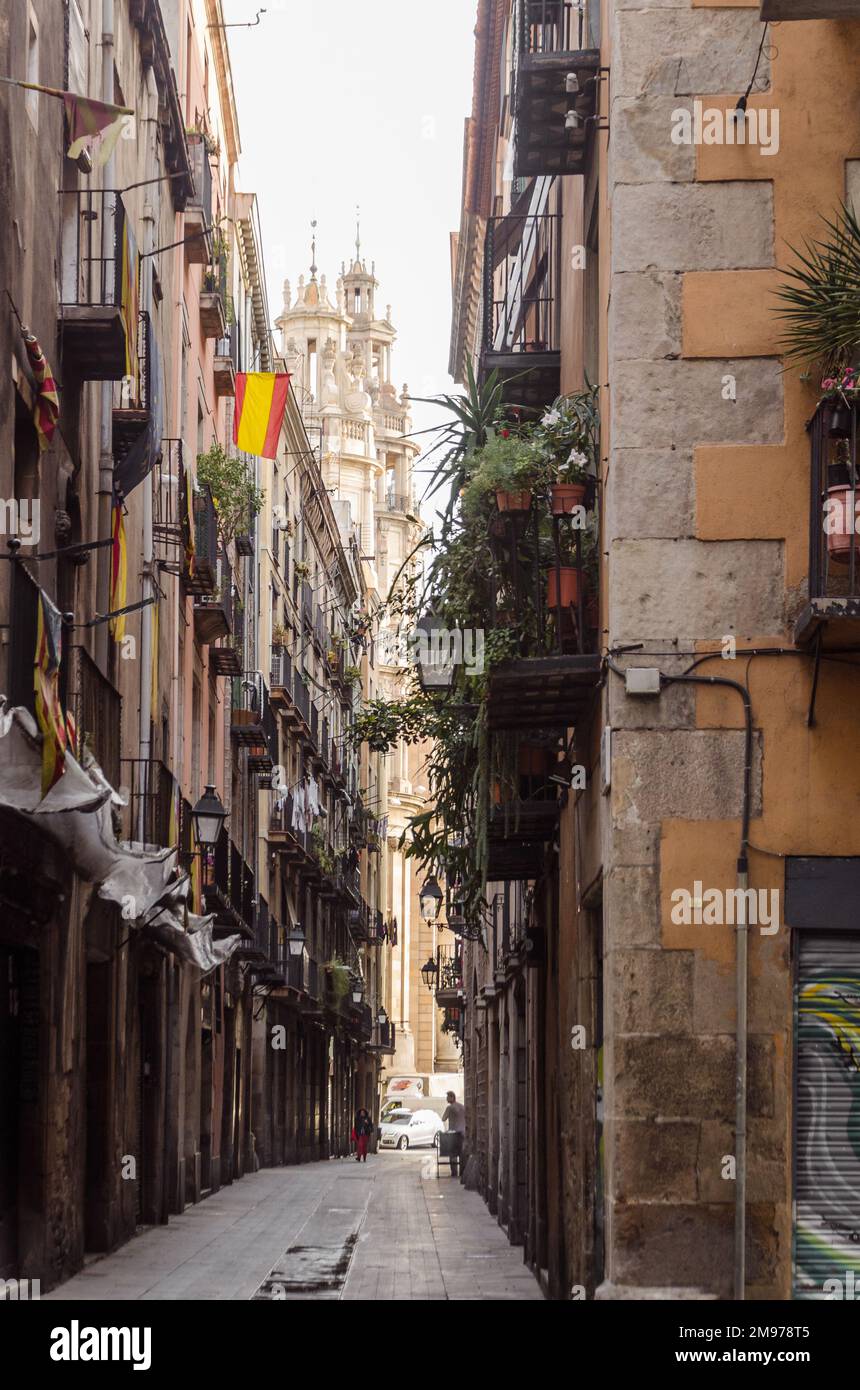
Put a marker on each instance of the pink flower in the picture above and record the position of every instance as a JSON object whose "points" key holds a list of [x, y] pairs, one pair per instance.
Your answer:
{"points": [[828, 383]]}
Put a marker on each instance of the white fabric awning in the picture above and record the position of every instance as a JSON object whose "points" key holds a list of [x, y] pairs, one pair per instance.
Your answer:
{"points": [[76, 813]]}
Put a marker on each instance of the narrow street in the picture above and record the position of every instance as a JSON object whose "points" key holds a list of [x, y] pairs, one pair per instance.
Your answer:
{"points": [[385, 1230]]}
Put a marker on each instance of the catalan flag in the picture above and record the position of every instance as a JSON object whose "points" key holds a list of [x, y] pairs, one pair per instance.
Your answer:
{"points": [[46, 410], [129, 295], [49, 713], [261, 399], [118, 571]]}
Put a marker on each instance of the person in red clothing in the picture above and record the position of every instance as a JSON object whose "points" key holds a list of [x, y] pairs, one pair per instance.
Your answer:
{"points": [[361, 1132]]}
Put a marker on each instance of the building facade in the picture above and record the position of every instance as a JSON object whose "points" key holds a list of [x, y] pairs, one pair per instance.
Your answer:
{"points": [[176, 1007], [656, 1101]]}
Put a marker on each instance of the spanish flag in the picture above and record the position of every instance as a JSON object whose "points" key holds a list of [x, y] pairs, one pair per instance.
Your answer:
{"points": [[261, 399], [49, 713], [118, 572]]}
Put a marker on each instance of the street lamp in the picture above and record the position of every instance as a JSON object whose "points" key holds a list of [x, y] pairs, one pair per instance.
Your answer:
{"points": [[382, 1017], [430, 972], [296, 940], [208, 816], [357, 990], [430, 898], [434, 663]]}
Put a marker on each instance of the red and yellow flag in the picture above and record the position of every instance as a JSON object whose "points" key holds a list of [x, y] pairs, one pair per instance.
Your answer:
{"points": [[129, 297], [261, 399], [46, 410], [49, 712], [118, 572]]}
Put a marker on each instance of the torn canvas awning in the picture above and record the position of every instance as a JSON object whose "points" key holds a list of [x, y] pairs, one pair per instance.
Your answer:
{"points": [[76, 813], [194, 945]]}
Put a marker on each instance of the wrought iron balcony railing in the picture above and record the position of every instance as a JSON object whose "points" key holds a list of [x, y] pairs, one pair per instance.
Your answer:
{"points": [[96, 706], [554, 85], [834, 519], [98, 273], [150, 814]]}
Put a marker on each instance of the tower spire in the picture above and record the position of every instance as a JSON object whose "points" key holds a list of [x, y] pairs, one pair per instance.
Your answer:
{"points": [[357, 233], [313, 250]]}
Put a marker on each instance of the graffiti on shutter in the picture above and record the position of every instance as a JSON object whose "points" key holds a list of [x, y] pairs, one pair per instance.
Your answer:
{"points": [[827, 1115]]}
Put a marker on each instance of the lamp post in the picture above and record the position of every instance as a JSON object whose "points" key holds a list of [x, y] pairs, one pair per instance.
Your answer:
{"points": [[430, 898], [430, 973], [357, 990], [296, 940], [434, 662], [208, 816]]}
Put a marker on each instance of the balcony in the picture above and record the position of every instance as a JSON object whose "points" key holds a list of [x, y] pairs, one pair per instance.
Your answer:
{"points": [[281, 678], [286, 833], [521, 306], [550, 588], [200, 564], [224, 367], [198, 209], [150, 813], [555, 72], [213, 299], [131, 400], [831, 615], [252, 722], [213, 612], [97, 709], [778, 10], [92, 323], [401, 503], [449, 987], [229, 890]]}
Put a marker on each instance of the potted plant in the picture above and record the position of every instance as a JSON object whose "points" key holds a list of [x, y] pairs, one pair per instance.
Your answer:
{"points": [[569, 491], [564, 441], [506, 466], [279, 635], [843, 393], [301, 569], [352, 673]]}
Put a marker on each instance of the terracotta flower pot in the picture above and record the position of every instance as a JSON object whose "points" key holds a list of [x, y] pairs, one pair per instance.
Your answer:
{"points": [[519, 501], [839, 530], [564, 498], [562, 586]]}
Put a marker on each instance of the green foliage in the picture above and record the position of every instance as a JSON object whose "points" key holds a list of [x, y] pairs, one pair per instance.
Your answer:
{"points": [[821, 298], [231, 481], [340, 977], [507, 462], [324, 855], [473, 414]]}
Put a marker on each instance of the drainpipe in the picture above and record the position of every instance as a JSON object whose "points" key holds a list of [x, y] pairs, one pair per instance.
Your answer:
{"points": [[741, 969], [147, 586], [105, 484]]}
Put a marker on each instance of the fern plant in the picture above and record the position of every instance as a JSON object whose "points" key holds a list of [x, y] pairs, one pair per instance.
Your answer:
{"points": [[820, 300]]}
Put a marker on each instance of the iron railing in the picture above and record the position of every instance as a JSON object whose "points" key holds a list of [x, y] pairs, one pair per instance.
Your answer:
{"points": [[202, 173], [91, 263], [281, 669], [96, 706], [450, 967], [149, 816], [550, 26], [399, 502], [251, 708], [521, 283], [834, 550]]}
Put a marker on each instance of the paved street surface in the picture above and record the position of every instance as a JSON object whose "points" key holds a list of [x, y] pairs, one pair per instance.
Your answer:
{"points": [[387, 1229]]}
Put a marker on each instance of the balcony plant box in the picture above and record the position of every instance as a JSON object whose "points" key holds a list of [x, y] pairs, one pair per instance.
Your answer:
{"points": [[563, 587]]}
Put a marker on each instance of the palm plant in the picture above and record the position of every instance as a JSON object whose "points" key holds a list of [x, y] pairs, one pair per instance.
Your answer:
{"points": [[821, 298], [473, 414]]}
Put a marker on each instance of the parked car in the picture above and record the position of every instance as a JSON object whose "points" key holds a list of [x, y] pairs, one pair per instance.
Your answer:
{"points": [[404, 1129]]}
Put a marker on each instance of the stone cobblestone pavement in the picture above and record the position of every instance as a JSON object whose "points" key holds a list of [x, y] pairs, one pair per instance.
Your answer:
{"points": [[387, 1229]]}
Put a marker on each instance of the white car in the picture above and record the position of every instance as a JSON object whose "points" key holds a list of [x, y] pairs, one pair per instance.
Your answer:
{"points": [[405, 1129]]}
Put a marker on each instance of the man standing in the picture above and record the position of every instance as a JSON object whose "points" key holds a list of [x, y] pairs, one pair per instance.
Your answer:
{"points": [[455, 1118]]}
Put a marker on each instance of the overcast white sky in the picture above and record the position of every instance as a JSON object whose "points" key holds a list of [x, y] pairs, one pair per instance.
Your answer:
{"points": [[342, 103]]}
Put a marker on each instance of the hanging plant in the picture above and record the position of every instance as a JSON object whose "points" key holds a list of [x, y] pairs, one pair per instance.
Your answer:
{"points": [[339, 978]]}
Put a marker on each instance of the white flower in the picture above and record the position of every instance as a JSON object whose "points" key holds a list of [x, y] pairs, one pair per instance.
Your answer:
{"points": [[550, 418], [577, 458]]}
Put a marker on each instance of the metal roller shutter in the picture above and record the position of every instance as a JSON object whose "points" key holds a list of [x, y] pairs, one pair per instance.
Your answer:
{"points": [[827, 1115]]}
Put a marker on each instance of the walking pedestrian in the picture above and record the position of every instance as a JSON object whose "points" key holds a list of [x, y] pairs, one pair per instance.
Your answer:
{"points": [[361, 1132], [455, 1118]]}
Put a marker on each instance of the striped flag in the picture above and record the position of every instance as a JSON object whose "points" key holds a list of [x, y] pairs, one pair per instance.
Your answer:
{"points": [[129, 296], [118, 572], [46, 410], [49, 713], [261, 399]]}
